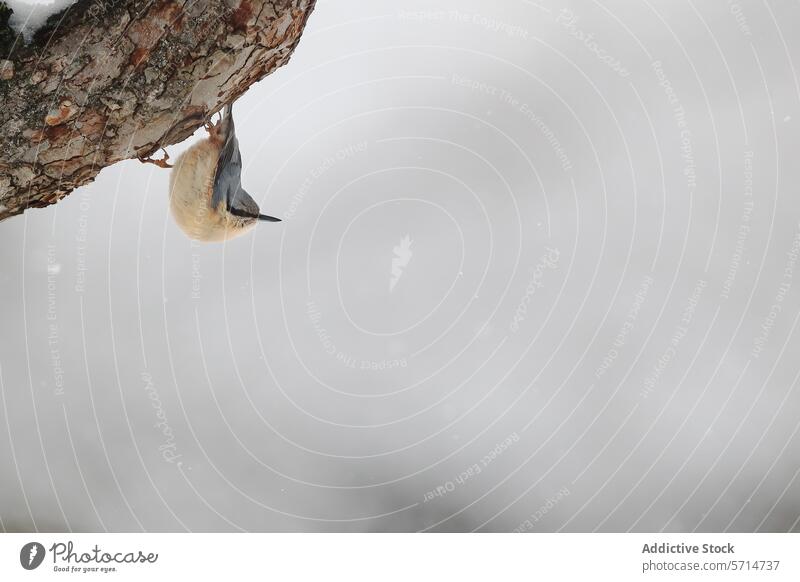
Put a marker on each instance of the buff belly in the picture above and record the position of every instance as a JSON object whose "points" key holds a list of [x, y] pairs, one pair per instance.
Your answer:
{"points": [[190, 185]]}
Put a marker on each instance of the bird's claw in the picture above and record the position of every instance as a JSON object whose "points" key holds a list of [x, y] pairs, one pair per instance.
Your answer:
{"points": [[214, 129], [162, 163]]}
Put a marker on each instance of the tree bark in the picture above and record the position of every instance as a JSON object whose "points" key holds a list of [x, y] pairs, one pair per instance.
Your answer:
{"points": [[109, 80]]}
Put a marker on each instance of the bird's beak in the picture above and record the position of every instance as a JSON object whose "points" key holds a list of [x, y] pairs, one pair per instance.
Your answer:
{"points": [[268, 218]]}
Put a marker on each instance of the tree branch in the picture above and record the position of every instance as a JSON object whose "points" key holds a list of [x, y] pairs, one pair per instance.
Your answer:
{"points": [[106, 81]]}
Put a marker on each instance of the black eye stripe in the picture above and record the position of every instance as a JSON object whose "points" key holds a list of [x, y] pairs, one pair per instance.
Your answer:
{"points": [[241, 213]]}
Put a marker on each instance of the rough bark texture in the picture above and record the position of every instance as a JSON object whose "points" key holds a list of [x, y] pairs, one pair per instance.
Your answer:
{"points": [[106, 81]]}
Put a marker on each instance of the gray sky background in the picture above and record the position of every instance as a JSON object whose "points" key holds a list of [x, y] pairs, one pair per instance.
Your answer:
{"points": [[593, 326]]}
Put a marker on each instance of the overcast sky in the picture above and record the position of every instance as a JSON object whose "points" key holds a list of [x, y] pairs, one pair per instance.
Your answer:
{"points": [[537, 272]]}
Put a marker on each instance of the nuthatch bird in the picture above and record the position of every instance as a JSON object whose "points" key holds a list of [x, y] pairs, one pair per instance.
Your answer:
{"points": [[205, 187]]}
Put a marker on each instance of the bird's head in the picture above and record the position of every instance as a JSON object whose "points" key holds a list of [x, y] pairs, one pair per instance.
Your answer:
{"points": [[244, 211]]}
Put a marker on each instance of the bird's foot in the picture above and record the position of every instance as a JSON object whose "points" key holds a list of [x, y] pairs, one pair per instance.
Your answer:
{"points": [[214, 129], [162, 163]]}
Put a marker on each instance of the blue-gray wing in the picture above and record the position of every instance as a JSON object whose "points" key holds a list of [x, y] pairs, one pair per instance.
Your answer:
{"points": [[228, 177]]}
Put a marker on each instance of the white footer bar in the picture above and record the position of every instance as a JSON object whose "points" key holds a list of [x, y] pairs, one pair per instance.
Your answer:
{"points": [[406, 557]]}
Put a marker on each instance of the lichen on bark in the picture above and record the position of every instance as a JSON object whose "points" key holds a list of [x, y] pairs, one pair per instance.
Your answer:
{"points": [[111, 80]]}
